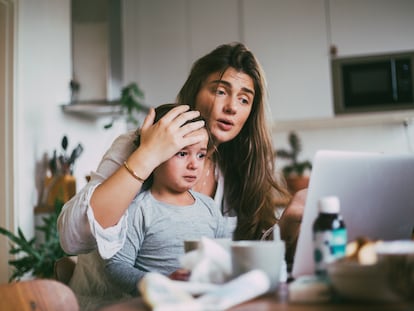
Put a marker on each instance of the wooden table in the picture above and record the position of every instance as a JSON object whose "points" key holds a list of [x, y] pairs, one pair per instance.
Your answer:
{"points": [[279, 302]]}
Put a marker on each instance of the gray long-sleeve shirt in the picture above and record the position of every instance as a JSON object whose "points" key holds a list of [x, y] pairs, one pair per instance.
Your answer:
{"points": [[155, 236]]}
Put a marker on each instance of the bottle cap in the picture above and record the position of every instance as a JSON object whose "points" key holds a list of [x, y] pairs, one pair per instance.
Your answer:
{"points": [[329, 205]]}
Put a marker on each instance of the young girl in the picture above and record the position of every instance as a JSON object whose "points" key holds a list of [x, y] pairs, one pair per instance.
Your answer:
{"points": [[164, 215]]}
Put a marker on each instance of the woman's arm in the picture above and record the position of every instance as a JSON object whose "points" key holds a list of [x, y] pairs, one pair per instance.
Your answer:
{"points": [[111, 189], [290, 223], [74, 226], [159, 142]]}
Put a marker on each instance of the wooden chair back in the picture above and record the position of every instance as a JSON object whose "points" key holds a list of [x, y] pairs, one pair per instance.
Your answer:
{"points": [[39, 295]]}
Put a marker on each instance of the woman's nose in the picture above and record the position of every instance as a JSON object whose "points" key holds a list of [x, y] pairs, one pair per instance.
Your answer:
{"points": [[230, 105]]}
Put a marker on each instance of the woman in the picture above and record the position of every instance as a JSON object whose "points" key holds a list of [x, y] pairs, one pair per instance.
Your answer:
{"points": [[227, 87]]}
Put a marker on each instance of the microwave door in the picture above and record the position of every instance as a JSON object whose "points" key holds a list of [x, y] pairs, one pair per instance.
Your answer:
{"points": [[368, 84], [403, 81]]}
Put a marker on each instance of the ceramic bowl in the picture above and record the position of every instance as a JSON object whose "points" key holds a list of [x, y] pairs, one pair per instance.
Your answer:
{"points": [[397, 258], [356, 282], [391, 279]]}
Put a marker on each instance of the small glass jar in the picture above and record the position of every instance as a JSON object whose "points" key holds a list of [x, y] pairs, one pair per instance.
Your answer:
{"points": [[329, 234]]}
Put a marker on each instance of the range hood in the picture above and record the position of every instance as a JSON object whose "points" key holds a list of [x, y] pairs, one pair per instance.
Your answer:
{"points": [[96, 52]]}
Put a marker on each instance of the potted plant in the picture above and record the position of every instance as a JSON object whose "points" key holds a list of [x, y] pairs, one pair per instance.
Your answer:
{"points": [[295, 171], [59, 183], [37, 256], [132, 102], [34, 257]]}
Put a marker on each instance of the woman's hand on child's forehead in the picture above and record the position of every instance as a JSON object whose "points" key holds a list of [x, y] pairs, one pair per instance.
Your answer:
{"points": [[201, 135]]}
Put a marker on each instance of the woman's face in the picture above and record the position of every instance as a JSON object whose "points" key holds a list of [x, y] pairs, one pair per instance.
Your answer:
{"points": [[226, 103]]}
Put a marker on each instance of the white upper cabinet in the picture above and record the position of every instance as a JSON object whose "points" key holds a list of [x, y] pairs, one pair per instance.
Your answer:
{"points": [[290, 40], [155, 47], [163, 38], [212, 23], [359, 27]]}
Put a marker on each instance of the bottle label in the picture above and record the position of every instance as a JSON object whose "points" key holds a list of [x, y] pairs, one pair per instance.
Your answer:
{"points": [[330, 245]]}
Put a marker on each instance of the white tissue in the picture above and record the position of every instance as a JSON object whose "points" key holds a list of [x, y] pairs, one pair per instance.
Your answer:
{"points": [[210, 263], [163, 294]]}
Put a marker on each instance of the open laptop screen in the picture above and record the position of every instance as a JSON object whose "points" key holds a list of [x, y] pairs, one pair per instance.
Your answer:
{"points": [[376, 193]]}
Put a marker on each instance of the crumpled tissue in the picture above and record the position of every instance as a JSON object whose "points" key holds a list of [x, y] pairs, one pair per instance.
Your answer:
{"points": [[209, 263]]}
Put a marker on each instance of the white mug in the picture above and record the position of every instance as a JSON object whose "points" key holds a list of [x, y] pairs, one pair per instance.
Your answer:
{"points": [[267, 256], [190, 245]]}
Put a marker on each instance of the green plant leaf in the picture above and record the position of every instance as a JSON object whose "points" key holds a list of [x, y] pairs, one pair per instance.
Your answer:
{"points": [[65, 142], [131, 101], [294, 166], [32, 257]]}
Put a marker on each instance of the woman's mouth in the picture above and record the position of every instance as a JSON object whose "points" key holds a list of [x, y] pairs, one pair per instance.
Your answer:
{"points": [[225, 125]]}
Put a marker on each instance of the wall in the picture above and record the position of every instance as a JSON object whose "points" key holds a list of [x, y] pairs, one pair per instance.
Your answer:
{"points": [[386, 138], [42, 74], [7, 218]]}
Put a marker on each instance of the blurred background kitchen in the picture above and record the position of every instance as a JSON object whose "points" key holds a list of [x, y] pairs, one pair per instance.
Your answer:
{"points": [[106, 44]]}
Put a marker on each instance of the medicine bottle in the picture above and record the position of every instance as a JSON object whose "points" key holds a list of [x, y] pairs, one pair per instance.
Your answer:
{"points": [[329, 234]]}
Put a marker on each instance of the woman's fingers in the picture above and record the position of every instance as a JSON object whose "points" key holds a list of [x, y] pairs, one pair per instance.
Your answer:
{"points": [[195, 135], [177, 118], [175, 112], [149, 119], [166, 137]]}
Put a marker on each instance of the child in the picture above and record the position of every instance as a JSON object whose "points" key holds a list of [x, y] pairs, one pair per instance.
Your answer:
{"points": [[163, 215]]}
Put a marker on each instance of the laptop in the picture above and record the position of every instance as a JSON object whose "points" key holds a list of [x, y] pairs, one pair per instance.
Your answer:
{"points": [[376, 194]]}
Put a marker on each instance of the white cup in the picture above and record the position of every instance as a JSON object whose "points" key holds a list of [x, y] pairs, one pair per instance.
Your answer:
{"points": [[267, 256], [190, 245]]}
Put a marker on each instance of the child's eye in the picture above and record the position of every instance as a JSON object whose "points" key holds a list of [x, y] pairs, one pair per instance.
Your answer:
{"points": [[181, 154], [201, 155]]}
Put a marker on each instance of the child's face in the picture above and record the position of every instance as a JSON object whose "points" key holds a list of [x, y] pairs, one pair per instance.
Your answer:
{"points": [[182, 171]]}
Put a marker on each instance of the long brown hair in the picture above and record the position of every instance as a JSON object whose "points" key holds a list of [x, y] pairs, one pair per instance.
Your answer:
{"points": [[247, 162]]}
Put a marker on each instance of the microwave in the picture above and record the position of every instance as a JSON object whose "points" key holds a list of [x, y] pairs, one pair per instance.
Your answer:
{"points": [[373, 83]]}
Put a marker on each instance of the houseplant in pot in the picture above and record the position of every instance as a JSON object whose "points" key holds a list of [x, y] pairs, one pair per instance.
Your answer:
{"points": [[33, 257], [131, 102], [295, 171]]}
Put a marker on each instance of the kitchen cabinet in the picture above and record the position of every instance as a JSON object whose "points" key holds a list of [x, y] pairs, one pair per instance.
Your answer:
{"points": [[212, 23], [155, 47], [162, 39], [371, 26], [289, 38]]}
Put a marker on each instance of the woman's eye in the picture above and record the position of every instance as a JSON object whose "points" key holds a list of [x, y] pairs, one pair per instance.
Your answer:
{"points": [[220, 92], [244, 101]]}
